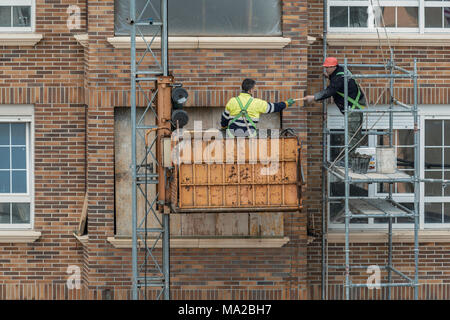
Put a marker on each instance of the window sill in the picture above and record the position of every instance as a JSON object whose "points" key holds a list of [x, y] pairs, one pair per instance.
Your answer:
{"points": [[210, 242], [205, 42], [407, 39], [404, 236], [20, 39], [19, 236]]}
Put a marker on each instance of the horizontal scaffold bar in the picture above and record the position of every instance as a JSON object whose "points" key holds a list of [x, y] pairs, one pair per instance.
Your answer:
{"points": [[369, 76], [371, 285], [374, 110]]}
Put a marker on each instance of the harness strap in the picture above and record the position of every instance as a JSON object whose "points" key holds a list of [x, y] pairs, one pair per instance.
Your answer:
{"points": [[355, 102], [244, 113]]}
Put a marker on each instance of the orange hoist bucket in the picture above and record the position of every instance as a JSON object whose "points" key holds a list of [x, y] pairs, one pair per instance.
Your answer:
{"points": [[240, 174]]}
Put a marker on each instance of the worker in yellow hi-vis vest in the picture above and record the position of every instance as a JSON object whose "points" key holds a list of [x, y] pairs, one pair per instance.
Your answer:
{"points": [[242, 113], [356, 100]]}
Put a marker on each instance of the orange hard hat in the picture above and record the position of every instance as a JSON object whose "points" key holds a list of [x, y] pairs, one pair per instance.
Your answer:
{"points": [[330, 62]]}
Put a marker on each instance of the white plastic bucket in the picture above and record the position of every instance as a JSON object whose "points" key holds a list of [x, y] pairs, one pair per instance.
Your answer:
{"points": [[386, 160]]}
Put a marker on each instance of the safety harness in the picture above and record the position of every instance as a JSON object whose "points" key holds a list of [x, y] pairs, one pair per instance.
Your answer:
{"points": [[244, 113], [355, 102]]}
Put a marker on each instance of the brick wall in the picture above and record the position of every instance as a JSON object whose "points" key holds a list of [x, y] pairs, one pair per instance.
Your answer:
{"points": [[74, 90], [211, 77], [433, 89], [48, 76]]}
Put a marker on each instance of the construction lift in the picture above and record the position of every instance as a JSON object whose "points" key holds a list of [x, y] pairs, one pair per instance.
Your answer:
{"points": [[151, 272]]}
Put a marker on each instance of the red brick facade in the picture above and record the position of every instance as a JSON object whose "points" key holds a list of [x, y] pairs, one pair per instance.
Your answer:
{"points": [[74, 90], [433, 81]]}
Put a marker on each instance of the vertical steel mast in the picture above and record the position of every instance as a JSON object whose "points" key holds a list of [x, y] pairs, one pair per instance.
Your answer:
{"points": [[151, 84]]}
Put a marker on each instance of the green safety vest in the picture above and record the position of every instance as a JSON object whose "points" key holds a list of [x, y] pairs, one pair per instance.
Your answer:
{"points": [[240, 114], [354, 102]]}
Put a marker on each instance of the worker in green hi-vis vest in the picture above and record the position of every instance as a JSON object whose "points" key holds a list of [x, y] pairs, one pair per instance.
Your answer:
{"points": [[335, 73], [242, 113]]}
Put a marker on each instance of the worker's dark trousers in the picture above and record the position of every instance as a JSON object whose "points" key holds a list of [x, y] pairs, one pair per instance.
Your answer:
{"points": [[355, 120]]}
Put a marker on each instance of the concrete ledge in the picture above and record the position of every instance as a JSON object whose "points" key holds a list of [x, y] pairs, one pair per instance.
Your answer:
{"points": [[311, 39], [19, 236], [210, 242], [205, 42], [82, 39], [19, 39], [371, 39], [83, 239], [405, 236]]}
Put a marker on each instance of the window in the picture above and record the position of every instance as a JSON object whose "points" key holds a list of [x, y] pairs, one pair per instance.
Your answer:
{"points": [[17, 15], [437, 166], [208, 17], [16, 188], [398, 16], [434, 202]]}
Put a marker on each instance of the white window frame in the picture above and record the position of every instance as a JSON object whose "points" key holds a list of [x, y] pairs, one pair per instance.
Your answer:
{"points": [[17, 3], [421, 4], [426, 112], [22, 114], [423, 198]]}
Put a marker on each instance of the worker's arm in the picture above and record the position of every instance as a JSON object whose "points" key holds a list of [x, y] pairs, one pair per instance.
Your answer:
{"points": [[225, 118], [328, 91], [275, 107], [278, 106], [336, 85]]}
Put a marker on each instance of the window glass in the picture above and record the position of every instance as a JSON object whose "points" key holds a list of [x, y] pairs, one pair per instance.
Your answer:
{"points": [[447, 158], [4, 213], [358, 16], [14, 174], [388, 17], [5, 182], [4, 158], [5, 16], [20, 212], [433, 158], [19, 158], [18, 134], [4, 134], [206, 17], [339, 16], [446, 212], [354, 14], [21, 16], [19, 181], [433, 212], [433, 132], [407, 17], [447, 17], [13, 16], [447, 188], [433, 17], [447, 131], [437, 158], [433, 189]]}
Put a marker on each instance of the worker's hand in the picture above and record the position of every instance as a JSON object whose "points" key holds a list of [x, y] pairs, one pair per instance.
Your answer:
{"points": [[308, 99], [290, 102]]}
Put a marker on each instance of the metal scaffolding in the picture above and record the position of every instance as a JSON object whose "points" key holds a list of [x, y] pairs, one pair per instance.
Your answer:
{"points": [[363, 207], [149, 72]]}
